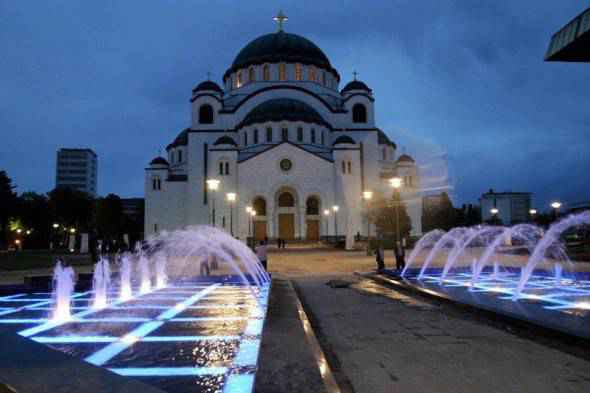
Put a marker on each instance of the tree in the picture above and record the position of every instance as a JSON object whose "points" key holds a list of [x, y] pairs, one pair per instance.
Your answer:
{"points": [[71, 208], [383, 213], [109, 217], [35, 216], [8, 201], [441, 215]]}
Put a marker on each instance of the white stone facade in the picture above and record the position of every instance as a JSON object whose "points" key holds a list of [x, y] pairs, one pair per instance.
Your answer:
{"points": [[290, 139]]}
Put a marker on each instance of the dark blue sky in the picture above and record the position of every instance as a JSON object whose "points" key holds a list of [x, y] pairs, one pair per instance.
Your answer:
{"points": [[463, 80]]}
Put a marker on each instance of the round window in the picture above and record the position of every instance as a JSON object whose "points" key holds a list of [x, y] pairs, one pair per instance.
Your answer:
{"points": [[286, 165]]}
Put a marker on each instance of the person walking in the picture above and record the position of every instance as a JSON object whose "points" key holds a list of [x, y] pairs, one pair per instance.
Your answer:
{"points": [[379, 258], [261, 254]]}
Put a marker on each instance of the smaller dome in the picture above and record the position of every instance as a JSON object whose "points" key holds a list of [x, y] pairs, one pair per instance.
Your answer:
{"points": [[343, 139], [159, 161], [280, 109], [225, 140], [208, 85], [405, 158], [355, 85]]}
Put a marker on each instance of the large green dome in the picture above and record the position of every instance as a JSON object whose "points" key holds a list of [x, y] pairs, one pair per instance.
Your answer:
{"points": [[281, 47]]}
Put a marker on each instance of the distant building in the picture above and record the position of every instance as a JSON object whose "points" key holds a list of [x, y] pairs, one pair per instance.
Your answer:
{"points": [[571, 42], [512, 207], [76, 169]]}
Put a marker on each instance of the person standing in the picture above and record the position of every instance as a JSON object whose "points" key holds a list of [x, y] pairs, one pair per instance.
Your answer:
{"points": [[400, 254], [204, 268], [261, 252], [379, 258]]}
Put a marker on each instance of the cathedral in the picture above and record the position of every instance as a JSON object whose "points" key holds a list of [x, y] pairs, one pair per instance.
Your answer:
{"points": [[279, 150]]}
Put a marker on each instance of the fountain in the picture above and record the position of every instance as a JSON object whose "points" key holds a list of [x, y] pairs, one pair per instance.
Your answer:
{"points": [[125, 292], [491, 267], [101, 280], [428, 240], [161, 277], [144, 274], [63, 288]]}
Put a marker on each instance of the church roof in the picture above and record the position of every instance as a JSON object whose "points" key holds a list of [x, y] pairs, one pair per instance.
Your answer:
{"points": [[356, 85], [225, 140], [343, 139], [384, 140], [208, 85], [280, 109], [405, 158], [180, 140], [159, 161], [281, 47]]}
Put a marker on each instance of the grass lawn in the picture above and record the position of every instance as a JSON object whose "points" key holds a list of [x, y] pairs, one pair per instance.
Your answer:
{"points": [[39, 259]]}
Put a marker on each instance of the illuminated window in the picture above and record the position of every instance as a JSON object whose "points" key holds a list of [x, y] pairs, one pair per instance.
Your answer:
{"points": [[255, 136], [311, 73], [251, 76], [239, 79], [266, 73], [269, 134], [298, 72], [300, 134], [282, 72]]}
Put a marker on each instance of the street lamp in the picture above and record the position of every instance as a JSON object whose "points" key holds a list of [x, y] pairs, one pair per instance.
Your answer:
{"points": [[335, 209], [367, 196], [396, 184], [253, 214], [18, 230], [532, 214], [213, 185], [494, 211], [327, 213], [72, 230], [556, 205], [231, 198], [55, 225]]}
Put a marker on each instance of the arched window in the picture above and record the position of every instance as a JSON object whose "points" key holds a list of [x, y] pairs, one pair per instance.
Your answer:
{"points": [[266, 72], [239, 80], [286, 200], [311, 73], [359, 113], [256, 136], [221, 168], [269, 134], [312, 206], [282, 72], [300, 134], [227, 168], [343, 167], [259, 206], [251, 75], [156, 184], [349, 167], [285, 134], [298, 72], [206, 114], [223, 221], [313, 135]]}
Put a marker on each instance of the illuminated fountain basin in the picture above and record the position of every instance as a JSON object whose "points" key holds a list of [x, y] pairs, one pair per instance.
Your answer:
{"points": [[188, 333], [521, 272]]}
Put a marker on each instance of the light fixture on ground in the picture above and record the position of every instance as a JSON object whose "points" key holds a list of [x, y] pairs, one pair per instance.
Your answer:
{"points": [[335, 209], [396, 183], [231, 199], [213, 186]]}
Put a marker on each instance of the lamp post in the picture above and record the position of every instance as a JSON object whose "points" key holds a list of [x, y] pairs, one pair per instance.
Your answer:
{"points": [[213, 185], [248, 212], [532, 214], [327, 214], [396, 184], [367, 195], [556, 205], [231, 199], [253, 214], [335, 210]]}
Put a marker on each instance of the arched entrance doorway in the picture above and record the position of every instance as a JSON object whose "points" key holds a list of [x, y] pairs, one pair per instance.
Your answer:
{"points": [[286, 215], [259, 205], [312, 218]]}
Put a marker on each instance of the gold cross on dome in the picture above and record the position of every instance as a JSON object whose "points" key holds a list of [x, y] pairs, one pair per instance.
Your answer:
{"points": [[280, 19]]}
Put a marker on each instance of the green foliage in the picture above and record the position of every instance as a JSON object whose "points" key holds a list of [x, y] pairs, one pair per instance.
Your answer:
{"points": [[442, 216], [109, 217], [71, 208], [7, 206]]}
